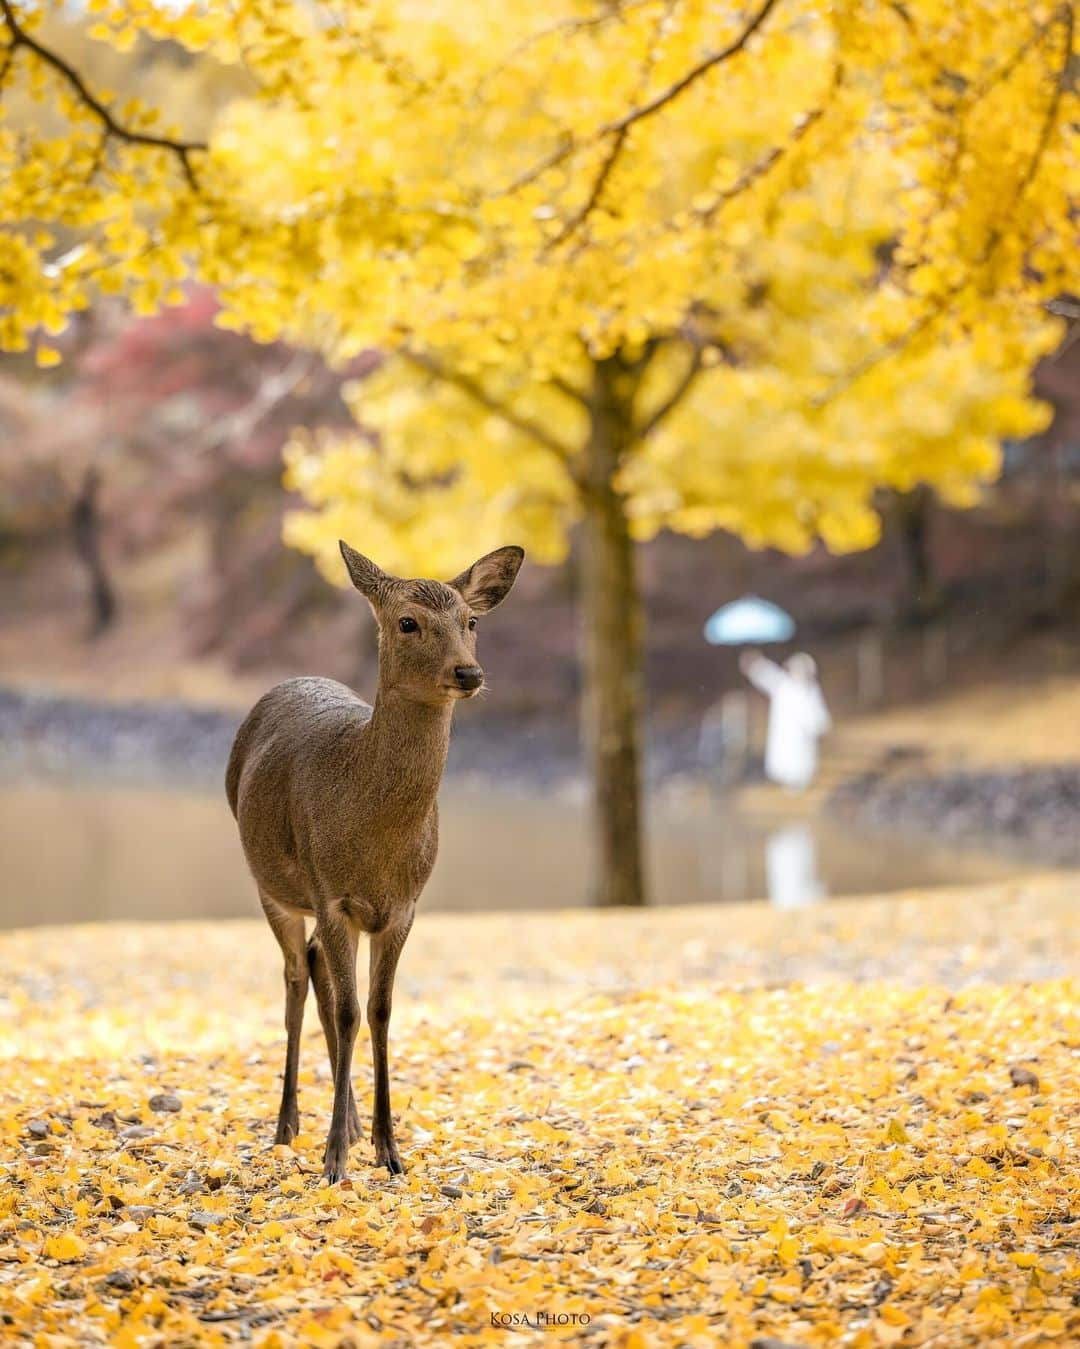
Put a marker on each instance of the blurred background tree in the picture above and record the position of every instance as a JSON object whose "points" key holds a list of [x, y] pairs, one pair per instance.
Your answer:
{"points": [[636, 266], [170, 436]]}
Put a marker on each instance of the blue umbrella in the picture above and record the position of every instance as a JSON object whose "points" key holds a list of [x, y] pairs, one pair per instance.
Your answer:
{"points": [[749, 620]]}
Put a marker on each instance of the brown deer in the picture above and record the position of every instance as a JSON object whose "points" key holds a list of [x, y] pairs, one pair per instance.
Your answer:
{"points": [[336, 804]]}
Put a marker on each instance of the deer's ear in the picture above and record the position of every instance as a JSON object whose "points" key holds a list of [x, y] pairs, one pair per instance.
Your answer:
{"points": [[487, 582], [371, 581]]}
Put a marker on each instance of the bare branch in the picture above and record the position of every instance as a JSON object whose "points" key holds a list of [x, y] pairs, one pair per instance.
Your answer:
{"points": [[621, 125], [677, 394], [479, 394], [21, 38]]}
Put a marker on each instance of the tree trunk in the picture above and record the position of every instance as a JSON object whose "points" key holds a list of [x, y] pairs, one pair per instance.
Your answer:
{"points": [[611, 647], [1062, 572], [924, 596], [86, 533]]}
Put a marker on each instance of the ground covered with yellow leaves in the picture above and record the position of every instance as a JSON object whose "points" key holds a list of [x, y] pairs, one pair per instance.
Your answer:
{"points": [[854, 1126]]}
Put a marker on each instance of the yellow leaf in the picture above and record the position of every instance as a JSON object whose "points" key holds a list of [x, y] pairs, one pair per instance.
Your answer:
{"points": [[699, 1266], [65, 1246]]}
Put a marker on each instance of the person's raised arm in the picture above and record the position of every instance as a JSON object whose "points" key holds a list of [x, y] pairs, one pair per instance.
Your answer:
{"points": [[763, 673]]}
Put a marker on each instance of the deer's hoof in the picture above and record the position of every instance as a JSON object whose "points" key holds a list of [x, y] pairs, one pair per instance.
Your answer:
{"points": [[335, 1166], [287, 1129], [386, 1154]]}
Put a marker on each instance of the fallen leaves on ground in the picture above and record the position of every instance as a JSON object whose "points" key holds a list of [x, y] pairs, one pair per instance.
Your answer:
{"points": [[601, 1149]]}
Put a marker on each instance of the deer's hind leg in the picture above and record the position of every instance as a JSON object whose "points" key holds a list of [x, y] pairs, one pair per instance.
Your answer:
{"points": [[288, 927], [324, 996]]}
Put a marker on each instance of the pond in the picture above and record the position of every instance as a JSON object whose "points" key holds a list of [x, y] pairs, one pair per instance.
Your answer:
{"points": [[79, 853]]}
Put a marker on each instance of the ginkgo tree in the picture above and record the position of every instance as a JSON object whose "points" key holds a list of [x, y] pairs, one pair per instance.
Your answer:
{"points": [[636, 265]]}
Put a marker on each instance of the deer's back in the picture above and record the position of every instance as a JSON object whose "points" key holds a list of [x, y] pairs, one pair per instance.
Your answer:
{"points": [[291, 762], [295, 722]]}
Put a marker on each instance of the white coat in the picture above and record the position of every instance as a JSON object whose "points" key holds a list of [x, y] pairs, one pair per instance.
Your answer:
{"points": [[798, 718]]}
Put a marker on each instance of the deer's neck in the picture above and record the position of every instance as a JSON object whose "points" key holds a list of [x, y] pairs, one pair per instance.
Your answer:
{"points": [[407, 744]]}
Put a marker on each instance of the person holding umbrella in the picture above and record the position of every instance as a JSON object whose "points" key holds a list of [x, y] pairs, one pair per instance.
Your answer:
{"points": [[798, 716], [725, 730]]}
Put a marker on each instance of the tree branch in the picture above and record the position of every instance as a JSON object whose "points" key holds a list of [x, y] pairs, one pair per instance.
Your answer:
{"points": [[887, 349], [570, 27], [677, 394], [993, 240], [21, 38], [901, 12], [589, 205], [716, 58], [9, 61], [240, 425], [971, 97], [571, 390], [637, 365], [621, 125], [761, 167], [479, 394], [1047, 128], [618, 139], [1064, 307]]}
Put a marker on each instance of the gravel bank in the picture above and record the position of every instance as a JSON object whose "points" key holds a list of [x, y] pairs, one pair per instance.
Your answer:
{"points": [[156, 742], [1029, 811]]}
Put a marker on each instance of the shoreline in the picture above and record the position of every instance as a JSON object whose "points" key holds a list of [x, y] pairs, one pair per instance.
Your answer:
{"points": [[185, 744], [1019, 811], [1025, 812]]}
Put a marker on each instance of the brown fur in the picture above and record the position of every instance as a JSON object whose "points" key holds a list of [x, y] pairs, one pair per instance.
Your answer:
{"points": [[336, 804]]}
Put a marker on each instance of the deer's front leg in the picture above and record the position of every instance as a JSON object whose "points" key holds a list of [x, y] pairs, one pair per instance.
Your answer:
{"points": [[385, 950], [338, 938], [324, 995]]}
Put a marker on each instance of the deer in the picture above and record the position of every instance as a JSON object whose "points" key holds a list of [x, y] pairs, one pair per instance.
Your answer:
{"points": [[336, 804]]}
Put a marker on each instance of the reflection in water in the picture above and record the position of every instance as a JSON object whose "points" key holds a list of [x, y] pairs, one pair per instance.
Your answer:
{"points": [[83, 853], [791, 867]]}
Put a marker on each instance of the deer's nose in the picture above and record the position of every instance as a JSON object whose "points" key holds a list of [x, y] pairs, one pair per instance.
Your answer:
{"points": [[468, 676]]}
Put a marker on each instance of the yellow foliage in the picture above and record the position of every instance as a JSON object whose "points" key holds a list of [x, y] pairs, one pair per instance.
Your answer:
{"points": [[850, 215]]}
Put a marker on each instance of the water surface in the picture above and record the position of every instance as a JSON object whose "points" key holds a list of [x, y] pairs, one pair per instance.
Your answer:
{"points": [[79, 853]]}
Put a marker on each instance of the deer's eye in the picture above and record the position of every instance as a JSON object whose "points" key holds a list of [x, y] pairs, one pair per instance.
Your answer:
{"points": [[408, 625], [472, 624]]}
